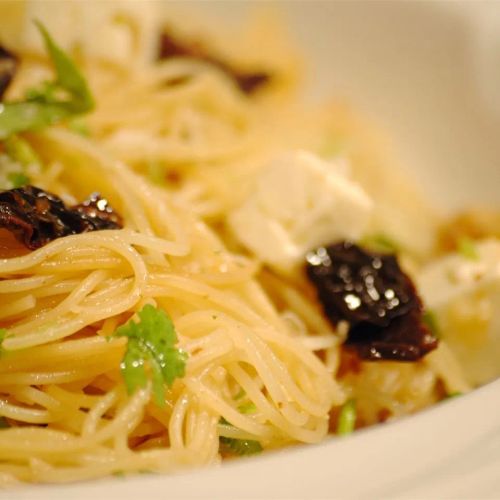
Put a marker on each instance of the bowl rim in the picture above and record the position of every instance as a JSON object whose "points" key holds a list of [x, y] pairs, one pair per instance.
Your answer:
{"points": [[351, 466]]}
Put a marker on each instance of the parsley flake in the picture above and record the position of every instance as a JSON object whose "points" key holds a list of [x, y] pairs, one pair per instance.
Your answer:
{"points": [[80, 127], [380, 243], [241, 394], [452, 395], [151, 345], [467, 248], [156, 172], [52, 102], [248, 407], [347, 418], [3, 334], [21, 151], [18, 179], [430, 320], [240, 447]]}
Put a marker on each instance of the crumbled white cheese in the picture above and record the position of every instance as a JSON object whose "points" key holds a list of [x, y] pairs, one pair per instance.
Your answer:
{"points": [[116, 31], [464, 294], [454, 275], [299, 202]]}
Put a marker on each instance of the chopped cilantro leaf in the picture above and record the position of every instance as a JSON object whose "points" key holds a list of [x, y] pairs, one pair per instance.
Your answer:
{"points": [[467, 248], [380, 242], [248, 407], [347, 418], [452, 395], [430, 320], [79, 126], [20, 151], [133, 365], [68, 77], [18, 179], [241, 393], [156, 172], [240, 446], [52, 102], [3, 423], [151, 345], [3, 334], [333, 146]]}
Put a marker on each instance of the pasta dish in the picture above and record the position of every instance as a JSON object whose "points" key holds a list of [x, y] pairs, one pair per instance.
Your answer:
{"points": [[197, 263]]}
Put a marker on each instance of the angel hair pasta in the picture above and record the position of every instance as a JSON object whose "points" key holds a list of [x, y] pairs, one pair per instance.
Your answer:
{"points": [[197, 264]]}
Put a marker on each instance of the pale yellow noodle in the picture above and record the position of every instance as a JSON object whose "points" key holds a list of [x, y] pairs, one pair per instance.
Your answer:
{"points": [[250, 335]]}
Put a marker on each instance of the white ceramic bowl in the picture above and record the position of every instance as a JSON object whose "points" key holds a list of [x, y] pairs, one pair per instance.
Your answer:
{"points": [[428, 72]]}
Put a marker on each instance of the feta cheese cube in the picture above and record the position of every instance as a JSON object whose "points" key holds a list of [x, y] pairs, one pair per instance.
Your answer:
{"points": [[454, 275], [464, 294], [299, 202]]}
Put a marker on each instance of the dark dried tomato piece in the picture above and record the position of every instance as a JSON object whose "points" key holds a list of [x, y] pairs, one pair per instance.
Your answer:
{"points": [[8, 67], [406, 338], [171, 47], [97, 212], [247, 81], [372, 293], [251, 82], [37, 217], [360, 286]]}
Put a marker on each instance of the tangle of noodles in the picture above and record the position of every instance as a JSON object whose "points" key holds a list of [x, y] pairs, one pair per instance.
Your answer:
{"points": [[250, 334], [58, 369]]}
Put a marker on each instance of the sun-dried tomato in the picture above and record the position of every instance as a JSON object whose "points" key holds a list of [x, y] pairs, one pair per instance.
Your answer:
{"points": [[372, 293], [8, 67], [98, 213], [37, 217], [247, 81], [251, 82]]}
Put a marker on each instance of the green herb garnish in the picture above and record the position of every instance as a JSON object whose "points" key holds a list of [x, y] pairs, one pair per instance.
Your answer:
{"points": [[223, 421], [467, 248], [151, 344], [52, 102], [241, 393], [79, 126], [452, 395], [333, 146], [248, 407], [240, 447], [3, 334], [18, 179], [347, 418], [380, 242], [20, 150], [156, 172], [430, 320], [3, 423]]}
